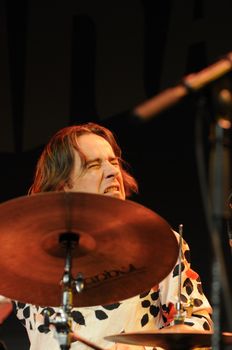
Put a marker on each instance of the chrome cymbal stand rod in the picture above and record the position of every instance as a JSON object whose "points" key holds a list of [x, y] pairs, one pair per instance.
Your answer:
{"points": [[179, 316], [63, 320]]}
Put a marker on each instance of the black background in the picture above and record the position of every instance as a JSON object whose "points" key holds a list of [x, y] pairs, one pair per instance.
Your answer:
{"points": [[161, 151]]}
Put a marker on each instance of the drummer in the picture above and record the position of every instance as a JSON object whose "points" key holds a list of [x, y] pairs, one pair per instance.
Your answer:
{"points": [[86, 158]]}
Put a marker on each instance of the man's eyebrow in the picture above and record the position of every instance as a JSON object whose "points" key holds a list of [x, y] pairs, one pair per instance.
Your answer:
{"points": [[100, 160], [114, 158]]}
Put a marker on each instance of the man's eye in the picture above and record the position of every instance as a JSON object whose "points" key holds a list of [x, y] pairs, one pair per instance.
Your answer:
{"points": [[115, 162], [93, 165]]}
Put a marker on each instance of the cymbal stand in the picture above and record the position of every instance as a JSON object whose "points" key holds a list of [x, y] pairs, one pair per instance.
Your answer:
{"points": [[179, 316], [63, 320]]}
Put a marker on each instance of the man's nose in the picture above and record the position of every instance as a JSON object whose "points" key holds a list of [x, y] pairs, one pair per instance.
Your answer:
{"points": [[110, 169]]}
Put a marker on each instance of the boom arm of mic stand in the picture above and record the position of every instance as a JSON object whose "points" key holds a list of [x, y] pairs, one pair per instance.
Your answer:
{"points": [[191, 83]]}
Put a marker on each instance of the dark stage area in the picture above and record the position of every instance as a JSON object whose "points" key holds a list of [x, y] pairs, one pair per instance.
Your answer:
{"points": [[65, 63]]}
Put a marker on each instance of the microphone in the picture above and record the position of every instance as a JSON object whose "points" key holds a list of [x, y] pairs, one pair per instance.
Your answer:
{"points": [[189, 84]]}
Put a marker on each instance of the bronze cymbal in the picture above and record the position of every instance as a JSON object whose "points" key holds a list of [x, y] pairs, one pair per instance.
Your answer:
{"points": [[124, 248], [167, 339]]}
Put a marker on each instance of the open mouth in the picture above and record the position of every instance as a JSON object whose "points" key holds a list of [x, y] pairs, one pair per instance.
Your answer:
{"points": [[111, 189]]}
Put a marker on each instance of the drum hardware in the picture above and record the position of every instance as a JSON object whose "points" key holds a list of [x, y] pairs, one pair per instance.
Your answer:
{"points": [[180, 307], [179, 316], [188, 307], [63, 319]]}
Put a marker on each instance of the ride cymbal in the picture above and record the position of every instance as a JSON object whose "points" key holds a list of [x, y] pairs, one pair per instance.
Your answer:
{"points": [[122, 248]]}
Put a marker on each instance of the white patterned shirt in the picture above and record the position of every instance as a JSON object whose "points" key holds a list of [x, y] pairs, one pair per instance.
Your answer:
{"points": [[148, 311]]}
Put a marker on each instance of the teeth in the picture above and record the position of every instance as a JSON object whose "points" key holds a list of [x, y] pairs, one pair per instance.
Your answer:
{"points": [[111, 189]]}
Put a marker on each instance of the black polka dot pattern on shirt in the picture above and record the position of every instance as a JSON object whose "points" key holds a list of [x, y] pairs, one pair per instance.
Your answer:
{"points": [[145, 303], [78, 317], [176, 270], [188, 286], [26, 312], [155, 295], [197, 302], [111, 306], [154, 310], [101, 315], [144, 320]]}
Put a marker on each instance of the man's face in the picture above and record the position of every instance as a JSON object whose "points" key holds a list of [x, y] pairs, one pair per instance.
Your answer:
{"points": [[102, 173]]}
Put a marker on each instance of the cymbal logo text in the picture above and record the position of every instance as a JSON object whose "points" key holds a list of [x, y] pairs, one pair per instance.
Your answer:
{"points": [[111, 275]]}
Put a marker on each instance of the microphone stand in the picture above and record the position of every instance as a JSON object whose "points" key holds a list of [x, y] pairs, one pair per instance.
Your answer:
{"points": [[219, 270], [214, 206], [213, 202]]}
